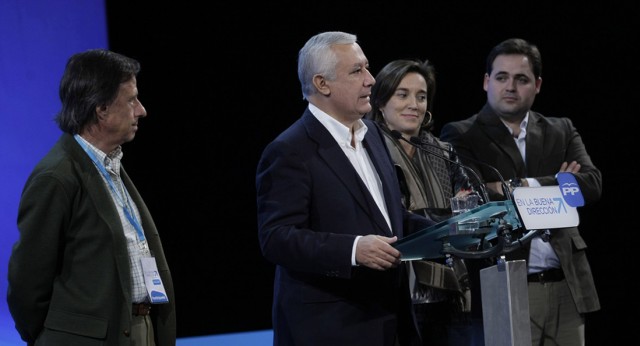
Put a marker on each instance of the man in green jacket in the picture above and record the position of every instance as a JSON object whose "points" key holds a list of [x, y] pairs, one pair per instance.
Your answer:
{"points": [[89, 267]]}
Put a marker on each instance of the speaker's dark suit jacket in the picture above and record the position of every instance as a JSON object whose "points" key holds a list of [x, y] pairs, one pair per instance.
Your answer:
{"points": [[311, 206], [69, 276], [550, 142]]}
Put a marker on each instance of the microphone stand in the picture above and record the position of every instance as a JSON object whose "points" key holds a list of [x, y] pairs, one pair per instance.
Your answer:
{"points": [[505, 188], [483, 190]]}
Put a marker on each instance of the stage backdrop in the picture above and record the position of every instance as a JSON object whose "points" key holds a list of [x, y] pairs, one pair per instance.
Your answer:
{"points": [[36, 39]]}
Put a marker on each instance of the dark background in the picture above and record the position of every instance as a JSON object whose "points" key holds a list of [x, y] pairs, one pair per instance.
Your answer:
{"points": [[219, 82]]}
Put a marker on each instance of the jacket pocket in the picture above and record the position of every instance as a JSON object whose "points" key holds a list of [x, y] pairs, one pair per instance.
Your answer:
{"points": [[78, 324]]}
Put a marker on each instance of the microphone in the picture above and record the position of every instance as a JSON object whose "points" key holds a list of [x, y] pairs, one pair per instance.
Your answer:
{"points": [[397, 135], [418, 142], [505, 241]]}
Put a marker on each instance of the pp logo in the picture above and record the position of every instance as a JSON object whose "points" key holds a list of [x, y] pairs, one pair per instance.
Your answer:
{"points": [[570, 189]]}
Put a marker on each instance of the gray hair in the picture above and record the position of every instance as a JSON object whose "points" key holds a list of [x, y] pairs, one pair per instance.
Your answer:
{"points": [[317, 57]]}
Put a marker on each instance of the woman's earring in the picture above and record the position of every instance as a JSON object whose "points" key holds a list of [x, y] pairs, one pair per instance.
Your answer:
{"points": [[426, 123]]}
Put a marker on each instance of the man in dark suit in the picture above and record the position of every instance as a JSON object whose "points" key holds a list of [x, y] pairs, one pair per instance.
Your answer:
{"points": [[329, 210], [529, 149], [89, 267]]}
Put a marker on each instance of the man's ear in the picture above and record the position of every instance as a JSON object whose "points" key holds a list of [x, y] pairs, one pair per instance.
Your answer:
{"points": [[101, 111], [321, 84], [538, 84], [485, 82]]}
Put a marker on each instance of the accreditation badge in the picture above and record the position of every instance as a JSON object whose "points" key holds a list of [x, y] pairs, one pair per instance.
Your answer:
{"points": [[153, 282]]}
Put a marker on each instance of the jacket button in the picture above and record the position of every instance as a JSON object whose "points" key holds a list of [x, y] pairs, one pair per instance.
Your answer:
{"points": [[126, 333]]}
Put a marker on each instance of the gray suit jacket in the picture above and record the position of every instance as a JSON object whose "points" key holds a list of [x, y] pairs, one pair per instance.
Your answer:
{"points": [[550, 142], [69, 276]]}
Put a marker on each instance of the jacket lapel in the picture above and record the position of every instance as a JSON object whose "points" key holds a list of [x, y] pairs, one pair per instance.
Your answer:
{"points": [[332, 154], [381, 160], [498, 133], [535, 143], [104, 206]]}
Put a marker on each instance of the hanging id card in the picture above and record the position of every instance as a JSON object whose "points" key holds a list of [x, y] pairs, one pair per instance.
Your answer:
{"points": [[153, 282]]}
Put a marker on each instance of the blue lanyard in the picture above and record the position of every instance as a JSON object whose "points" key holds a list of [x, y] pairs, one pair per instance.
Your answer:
{"points": [[122, 199]]}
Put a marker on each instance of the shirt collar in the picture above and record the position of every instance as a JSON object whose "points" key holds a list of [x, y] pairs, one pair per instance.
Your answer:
{"points": [[523, 126], [110, 161], [339, 132]]}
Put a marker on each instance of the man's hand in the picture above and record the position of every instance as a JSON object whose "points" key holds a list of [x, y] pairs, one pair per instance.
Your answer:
{"points": [[463, 193], [376, 252], [573, 167], [495, 186]]}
